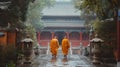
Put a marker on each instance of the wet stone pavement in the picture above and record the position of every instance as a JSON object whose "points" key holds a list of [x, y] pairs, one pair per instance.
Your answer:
{"points": [[73, 60]]}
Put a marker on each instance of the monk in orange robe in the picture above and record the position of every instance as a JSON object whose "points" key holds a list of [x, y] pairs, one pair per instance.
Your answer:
{"points": [[54, 45], [65, 46]]}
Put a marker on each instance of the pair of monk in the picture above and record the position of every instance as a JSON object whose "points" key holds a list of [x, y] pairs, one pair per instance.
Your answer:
{"points": [[54, 45]]}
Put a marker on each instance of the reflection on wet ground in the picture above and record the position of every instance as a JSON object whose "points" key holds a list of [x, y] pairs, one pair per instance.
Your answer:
{"points": [[60, 61], [74, 60]]}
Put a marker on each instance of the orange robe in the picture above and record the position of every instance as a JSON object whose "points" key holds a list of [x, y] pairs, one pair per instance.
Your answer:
{"points": [[65, 46], [54, 45]]}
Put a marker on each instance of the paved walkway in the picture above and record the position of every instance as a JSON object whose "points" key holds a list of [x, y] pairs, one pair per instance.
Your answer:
{"points": [[73, 60]]}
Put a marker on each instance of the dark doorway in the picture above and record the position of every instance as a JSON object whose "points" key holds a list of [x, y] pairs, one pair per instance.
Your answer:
{"points": [[60, 35]]}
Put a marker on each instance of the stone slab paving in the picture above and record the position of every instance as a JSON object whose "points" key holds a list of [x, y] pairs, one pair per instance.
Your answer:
{"points": [[60, 61], [74, 60]]}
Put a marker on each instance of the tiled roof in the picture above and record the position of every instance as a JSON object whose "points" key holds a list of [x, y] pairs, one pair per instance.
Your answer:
{"points": [[61, 9], [63, 25], [62, 14]]}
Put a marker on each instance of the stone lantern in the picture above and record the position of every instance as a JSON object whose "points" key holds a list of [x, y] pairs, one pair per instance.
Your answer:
{"points": [[96, 49], [28, 49]]}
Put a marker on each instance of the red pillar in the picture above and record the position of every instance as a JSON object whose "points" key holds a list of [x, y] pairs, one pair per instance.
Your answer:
{"points": [[52, 34], [38, 36], [80, 36], [67, 34], [118, 37]]}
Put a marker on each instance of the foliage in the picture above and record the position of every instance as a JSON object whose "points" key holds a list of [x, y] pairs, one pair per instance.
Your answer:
{"points": [[31, 31], [102, 8], [34, 12], [107, 31], [107, 51], [7, 55], [34, 15], [15, 14], [19, 8], [11, 64], [20, 11]]}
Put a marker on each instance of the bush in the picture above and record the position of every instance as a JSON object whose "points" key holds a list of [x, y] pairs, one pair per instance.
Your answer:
{"points": [[8, 55], [107, 31]]}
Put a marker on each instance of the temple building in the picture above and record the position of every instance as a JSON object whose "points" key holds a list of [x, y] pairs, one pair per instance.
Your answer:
{"points": [[60, 20]]}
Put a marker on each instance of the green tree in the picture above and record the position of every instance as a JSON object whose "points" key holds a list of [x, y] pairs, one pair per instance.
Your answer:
{"points": [[102, 8], [106, 31], [34, 12]]}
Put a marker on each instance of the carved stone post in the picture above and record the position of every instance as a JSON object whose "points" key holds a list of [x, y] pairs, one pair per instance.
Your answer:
{"points": [[96, 49], [27, 48]]}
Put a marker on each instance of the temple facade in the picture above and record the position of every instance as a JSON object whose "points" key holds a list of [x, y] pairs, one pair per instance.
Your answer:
{"points": [[60, 20]]}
